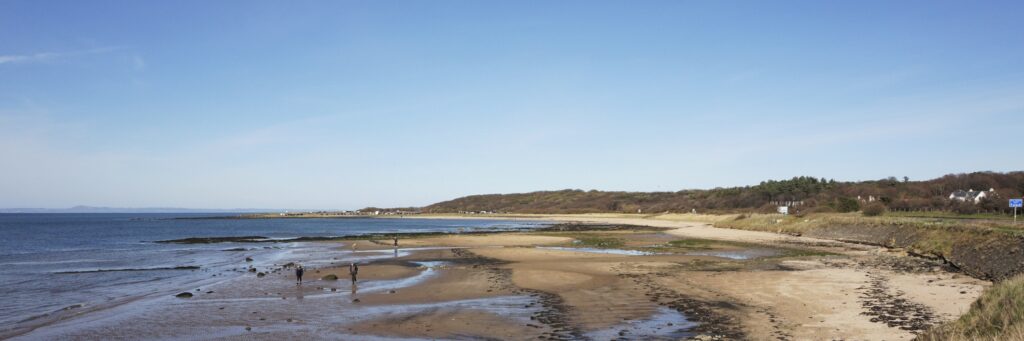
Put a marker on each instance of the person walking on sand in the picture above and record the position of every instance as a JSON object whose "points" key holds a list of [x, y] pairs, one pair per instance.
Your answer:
{"points": [[298, 274], [396, 240], [353, 269]]}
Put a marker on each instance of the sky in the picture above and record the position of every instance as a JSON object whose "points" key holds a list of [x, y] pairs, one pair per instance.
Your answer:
{"points": [[348, 104]]}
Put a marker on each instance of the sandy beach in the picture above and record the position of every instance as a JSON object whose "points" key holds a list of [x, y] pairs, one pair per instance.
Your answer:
{"points": [[613, 280]]}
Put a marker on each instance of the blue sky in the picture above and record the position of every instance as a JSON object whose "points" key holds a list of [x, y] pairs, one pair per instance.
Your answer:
{"points": [[333, 104]]}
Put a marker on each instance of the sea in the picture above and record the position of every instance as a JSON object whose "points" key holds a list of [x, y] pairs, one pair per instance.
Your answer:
{"points": [[54, 266]]}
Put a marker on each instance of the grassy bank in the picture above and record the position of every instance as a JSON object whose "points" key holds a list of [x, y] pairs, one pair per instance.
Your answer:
{"points": [[926, 235], [997, 315]]}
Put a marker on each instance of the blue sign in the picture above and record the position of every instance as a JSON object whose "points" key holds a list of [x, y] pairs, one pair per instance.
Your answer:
{"points": [[1016, 202]]}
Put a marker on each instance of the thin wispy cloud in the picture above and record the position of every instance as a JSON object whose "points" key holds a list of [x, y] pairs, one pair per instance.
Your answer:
{"points": [[45, 56]]}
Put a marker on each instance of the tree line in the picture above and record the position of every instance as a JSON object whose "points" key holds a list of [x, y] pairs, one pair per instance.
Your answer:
{"points": [[806, 193]]}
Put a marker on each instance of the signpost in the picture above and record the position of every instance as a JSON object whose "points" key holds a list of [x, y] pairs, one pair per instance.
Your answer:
{"points": [[1016, 203]]}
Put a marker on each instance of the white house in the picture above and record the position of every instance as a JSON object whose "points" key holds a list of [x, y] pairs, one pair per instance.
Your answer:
{"points": [[971, 195]]}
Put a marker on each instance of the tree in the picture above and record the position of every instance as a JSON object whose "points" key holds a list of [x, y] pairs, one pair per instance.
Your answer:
{"points": [[874, 209], [845, 205]]}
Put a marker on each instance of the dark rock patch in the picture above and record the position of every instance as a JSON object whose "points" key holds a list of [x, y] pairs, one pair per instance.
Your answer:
{"points": [[890, 308]]}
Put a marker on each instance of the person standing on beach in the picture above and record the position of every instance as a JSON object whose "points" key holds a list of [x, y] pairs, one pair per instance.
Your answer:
{"points": [[396, 240], [353, 269], [298, 274]]}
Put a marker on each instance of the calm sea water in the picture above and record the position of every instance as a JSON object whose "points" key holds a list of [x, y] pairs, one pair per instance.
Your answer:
{"points": [[51, 262]]}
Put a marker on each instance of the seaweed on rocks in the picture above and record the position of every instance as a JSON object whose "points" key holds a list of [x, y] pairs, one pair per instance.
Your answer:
{"points": [[711, 324], [889, 307], [554, 315]]}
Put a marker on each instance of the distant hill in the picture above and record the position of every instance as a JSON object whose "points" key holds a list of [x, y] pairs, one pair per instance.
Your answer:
{"points": [[804, 193], [93, 209]]}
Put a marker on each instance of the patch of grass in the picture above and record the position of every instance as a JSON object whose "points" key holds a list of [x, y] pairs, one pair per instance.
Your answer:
{"points": [[1016, 231], [689, 217], [691, 243], [706, 265], [707, 244], [787, 252], [598, 242], [951, 215], [933, 235], [777, 222], [997, 315]]}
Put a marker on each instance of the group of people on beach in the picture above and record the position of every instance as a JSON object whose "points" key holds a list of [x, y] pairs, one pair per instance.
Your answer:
{"points": [[353, 268]]}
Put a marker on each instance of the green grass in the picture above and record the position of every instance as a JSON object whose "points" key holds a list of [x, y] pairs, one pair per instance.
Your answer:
{"points": [[705, 244], [789, 252], [691, 243], [997, 315], [935, 235], [792, 223], [950, 215], [598, 242]]}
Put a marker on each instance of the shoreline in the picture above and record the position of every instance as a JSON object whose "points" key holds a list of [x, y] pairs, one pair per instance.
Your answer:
{"points": [[565, 281]]}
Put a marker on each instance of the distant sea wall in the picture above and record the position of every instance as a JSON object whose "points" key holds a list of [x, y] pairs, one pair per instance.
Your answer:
{"points": [[987, 255]]}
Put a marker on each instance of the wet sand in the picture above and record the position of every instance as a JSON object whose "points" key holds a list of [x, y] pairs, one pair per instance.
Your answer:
{"points": [[547, 285]]}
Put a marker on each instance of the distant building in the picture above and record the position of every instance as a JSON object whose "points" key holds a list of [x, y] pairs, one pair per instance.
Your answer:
{"points": [[971, 195]]}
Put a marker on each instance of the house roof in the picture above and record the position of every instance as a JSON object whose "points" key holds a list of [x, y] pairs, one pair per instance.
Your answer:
{"points": [[966, 194]]}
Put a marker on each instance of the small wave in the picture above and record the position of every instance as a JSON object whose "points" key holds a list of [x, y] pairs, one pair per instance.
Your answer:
{"points": [[189, 267], [67, 308], [70, 261]]}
